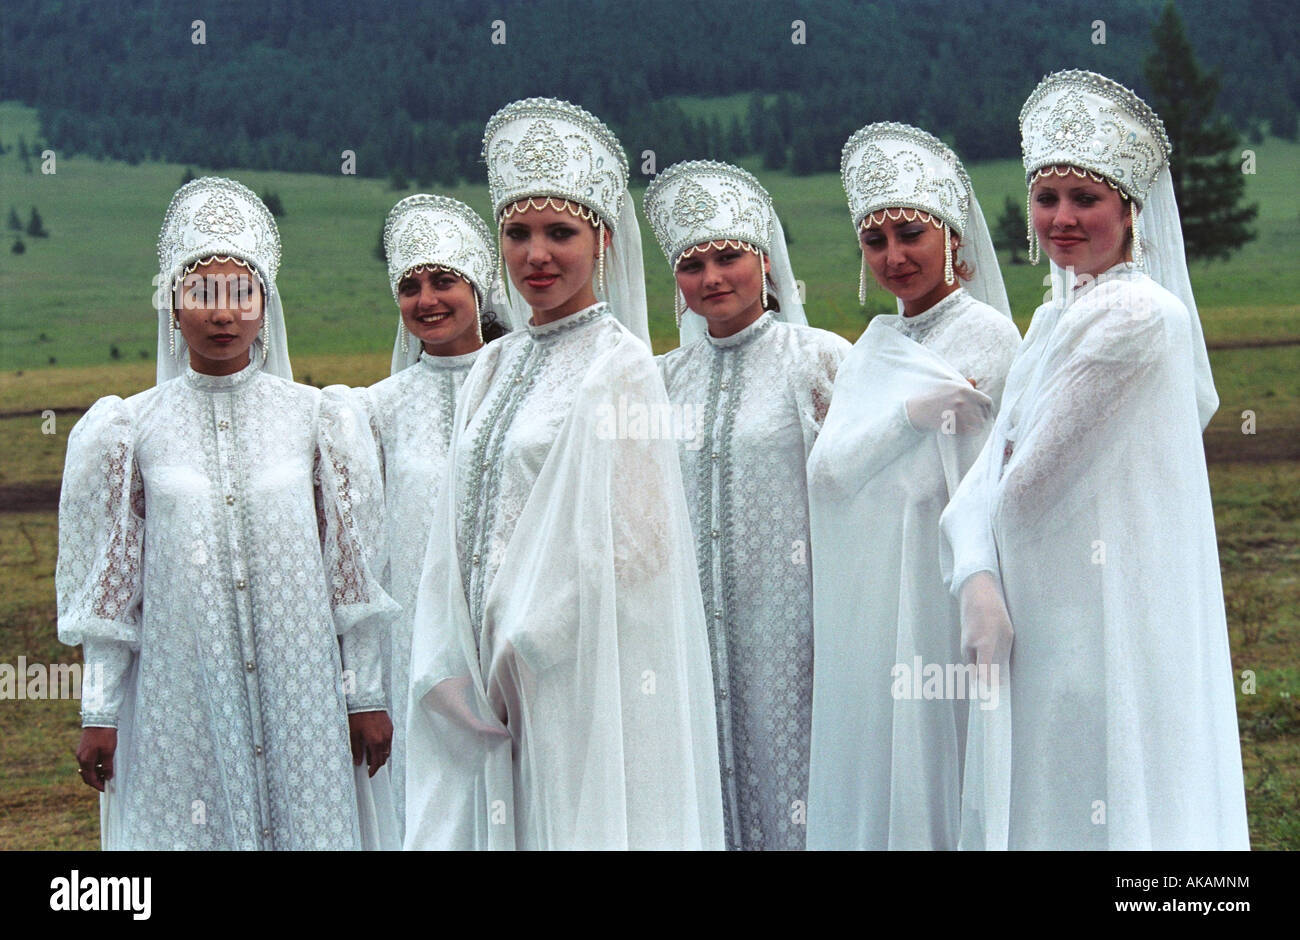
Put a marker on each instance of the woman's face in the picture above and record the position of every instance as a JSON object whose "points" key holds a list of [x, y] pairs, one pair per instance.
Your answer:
{"points": [[1081, 224], [551, 257], [906, 259], [438, 308], [724, 285], [219, 311]]}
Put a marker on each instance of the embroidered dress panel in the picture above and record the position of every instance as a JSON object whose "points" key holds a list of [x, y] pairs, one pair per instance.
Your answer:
{"points": [[759, 397]]}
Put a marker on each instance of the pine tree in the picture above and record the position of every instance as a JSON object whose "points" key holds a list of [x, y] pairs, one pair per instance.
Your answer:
{"points": [[273, 204], [1012, 232], [15, 223], [188, 177], [1207, 178], [35, 227]]}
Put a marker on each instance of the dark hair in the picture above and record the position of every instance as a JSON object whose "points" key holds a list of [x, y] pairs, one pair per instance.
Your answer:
{"points": [[773, 304], [962, 269], [492, 327]]}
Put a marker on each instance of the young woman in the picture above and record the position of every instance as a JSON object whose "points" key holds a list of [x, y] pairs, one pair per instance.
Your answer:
{"points": [[441, 266], [560, 689], [911, 409], [1084, 534], [753, 386], [217, 536]]}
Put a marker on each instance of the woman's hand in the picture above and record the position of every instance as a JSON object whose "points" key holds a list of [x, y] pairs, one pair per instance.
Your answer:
{"points": [[372, 738], [986, 634], [95, 756], [954, 409]]}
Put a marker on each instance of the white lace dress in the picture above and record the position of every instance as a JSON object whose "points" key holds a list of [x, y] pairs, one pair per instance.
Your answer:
{"points": [[887, 763], [216, 542], [411, 415], [1091, 504], [758, 399], [560, 690]]}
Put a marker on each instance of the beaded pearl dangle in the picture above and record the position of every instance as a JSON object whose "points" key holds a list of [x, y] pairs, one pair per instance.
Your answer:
{"points": [[763, 275], [948, 276], [266, 338], [1137, 239]]}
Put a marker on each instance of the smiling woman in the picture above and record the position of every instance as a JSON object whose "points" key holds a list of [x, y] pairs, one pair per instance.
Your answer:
{"points": [[1121, 691], [560, 693]]}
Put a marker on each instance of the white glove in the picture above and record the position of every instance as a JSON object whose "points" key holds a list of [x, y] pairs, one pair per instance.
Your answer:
{"points": [[954, 409], [986, 634]]}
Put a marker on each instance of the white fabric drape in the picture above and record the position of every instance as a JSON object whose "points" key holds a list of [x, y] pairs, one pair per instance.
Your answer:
{"points": [[1124, 721], [560, 687], [888, 744]]}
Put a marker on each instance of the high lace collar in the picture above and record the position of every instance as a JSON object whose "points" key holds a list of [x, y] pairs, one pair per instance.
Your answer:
{"points": [[741, 337], [549, 331], [224, 383], [444, 363], [927, 318]]}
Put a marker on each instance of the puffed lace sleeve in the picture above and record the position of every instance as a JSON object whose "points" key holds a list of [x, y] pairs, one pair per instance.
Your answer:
{"points": [[350, 513], [99, 577]]}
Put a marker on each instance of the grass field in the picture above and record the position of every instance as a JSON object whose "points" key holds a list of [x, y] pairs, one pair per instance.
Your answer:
{"points": [[74, 296]]}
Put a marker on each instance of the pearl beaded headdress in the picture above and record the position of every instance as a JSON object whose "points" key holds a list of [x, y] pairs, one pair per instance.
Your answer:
{"points": [[898, 171], [443, 232], [897, 166], [701, 201], [544, 147], [220, 219], [218, 216], [1085, 120]]}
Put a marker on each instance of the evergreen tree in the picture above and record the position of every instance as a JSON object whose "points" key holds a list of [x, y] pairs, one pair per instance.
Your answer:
{"points": [[381, 252], [18, 246], [1012, 232], [273, 204], [805, 160], [189, 176], [35, 227], [1207, 177], [15, 223], [737, 146]]}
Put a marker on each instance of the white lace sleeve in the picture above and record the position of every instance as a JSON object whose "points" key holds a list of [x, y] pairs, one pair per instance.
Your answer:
{"points": [[349, 506], [99, 577], [1103, 359]]}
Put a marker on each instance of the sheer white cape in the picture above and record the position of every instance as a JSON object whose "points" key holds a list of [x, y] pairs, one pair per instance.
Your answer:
{"points": [[586, 720]]}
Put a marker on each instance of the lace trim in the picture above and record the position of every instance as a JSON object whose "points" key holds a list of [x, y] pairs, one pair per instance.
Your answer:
{"points": [[222, 383], [549, 331], [448, 363], [741, 337], [878, 217]]}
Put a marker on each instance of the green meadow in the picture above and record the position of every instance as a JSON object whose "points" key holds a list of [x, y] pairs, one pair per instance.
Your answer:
{"points": [[76, 323]]}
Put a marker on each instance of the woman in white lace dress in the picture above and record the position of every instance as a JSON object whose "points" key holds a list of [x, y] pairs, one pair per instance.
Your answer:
{"points": [[912, 405], [560, 688], [441, 267], [1086, 524], [217, 537], [751, 383]]}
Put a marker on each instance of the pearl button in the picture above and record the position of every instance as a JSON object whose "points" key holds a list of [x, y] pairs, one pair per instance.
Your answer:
{"points": [[714, 455], [266, 833], [223, 425], [250, 665], [716, 533], [257, 749], [241, 584], [230, 499], [476, 558]]}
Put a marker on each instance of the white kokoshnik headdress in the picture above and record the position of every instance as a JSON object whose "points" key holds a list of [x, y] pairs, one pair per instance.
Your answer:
{"points": [[424, 231], [217, 219], [701, 204], [543, 152], [1096, 127], [893, 171]]}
